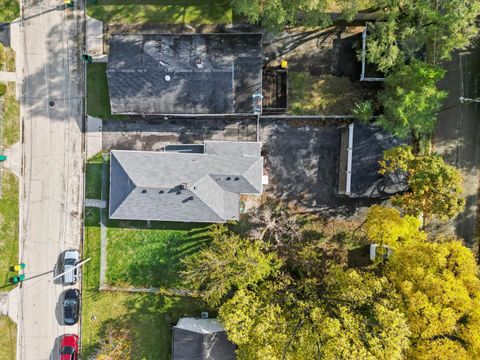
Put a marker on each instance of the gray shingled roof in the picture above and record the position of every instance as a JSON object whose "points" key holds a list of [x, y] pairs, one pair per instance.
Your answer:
{"points": [[369, 143], [229, 75], [188, 187], [200, 340]]}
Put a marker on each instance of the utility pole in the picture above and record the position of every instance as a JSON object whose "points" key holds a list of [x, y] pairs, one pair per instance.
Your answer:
{"points": [[468, 100], [73, 268]]}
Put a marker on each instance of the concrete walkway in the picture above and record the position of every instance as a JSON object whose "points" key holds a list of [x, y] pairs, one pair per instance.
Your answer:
{"points": [[94, 36], [6, 76], [101, 204], [14, 158], [94, 136]]}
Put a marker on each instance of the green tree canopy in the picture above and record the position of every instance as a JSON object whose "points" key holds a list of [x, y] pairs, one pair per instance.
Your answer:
{"points": [[229, 263], [435, 188], [407, 28], [354, 315], [411, 100]]}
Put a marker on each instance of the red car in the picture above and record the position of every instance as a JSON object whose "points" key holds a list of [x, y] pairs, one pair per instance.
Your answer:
{"points": [[69, 347]]}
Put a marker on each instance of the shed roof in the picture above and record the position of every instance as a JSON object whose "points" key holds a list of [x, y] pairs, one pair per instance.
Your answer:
{"points": [[201, 339]]}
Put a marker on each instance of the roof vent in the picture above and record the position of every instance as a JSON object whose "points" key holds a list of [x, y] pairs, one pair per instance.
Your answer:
{"points": [[178, 192], [160, 192], [236, 179], [144, 191], [228, 178], [168, 78], [183, 186]]}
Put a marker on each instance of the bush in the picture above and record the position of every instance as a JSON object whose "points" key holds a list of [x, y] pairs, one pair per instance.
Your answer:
{"points": [[3, 89]]}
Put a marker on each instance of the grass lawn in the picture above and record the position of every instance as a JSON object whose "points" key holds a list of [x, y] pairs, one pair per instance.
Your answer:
{"points": [[93, 178], [8, 340], [147, 317], [98, 100], [326, 95], [150, 257], [7, 56], [11, 116], [161, 11], [9, 10], [8, 227]]}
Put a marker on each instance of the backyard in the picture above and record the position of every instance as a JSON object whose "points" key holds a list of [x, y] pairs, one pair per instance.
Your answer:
{"points": [[161, 11], [326, 94]]}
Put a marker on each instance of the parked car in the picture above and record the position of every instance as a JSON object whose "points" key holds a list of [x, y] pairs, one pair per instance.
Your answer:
{"points": [[70, 259], [69, 347], [71, 304]]}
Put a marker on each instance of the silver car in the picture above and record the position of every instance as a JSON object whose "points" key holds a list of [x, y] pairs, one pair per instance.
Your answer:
{"points": [[70, 259]]}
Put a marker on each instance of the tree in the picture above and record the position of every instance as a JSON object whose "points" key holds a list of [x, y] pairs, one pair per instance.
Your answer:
{"points": [[406, 29], [229, 263], [435, 188], [386, 226], [353, 316], [411, 100], [440, 292]]}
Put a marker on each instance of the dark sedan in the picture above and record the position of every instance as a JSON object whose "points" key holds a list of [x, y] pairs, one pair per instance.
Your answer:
{"points": [[71, 304]]}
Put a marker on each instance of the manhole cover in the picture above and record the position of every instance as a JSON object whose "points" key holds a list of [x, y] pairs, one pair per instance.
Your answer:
{"points": [[51, 103]]}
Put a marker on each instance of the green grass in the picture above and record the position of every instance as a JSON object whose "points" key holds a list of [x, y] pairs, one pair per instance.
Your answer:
{"points": [[8, 227], [161, 11], [8, 340], [9, 10], [150, 257], [7, 57], [148, 317], [93, 178], [98, 100], [315, 95], [11, 116]]}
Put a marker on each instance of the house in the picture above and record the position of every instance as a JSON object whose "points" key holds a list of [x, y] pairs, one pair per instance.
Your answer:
{"points": [[361, 148], [201, 339], [184, 186], [185, 74]]}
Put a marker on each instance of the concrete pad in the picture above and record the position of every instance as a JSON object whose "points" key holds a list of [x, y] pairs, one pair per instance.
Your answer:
{"points": [[7, 76], [94, 36], [94, 136], [102, 204], [100, 59], [13, 304], [14, 158]]}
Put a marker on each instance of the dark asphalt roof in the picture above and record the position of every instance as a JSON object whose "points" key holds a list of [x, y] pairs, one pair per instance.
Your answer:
{"points": [[185, 73], [369, 143], [188, 187], [201, 344]]}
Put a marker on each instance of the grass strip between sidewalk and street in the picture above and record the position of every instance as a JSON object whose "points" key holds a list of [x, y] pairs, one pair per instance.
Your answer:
{"points": [[8, 338], [8, 228], [11, 116]]}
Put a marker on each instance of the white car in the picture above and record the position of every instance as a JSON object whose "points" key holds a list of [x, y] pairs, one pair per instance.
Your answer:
{"points": [[70, 259]]}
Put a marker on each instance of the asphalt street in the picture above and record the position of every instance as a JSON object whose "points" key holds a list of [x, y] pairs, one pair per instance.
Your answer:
{"points": [[52, 181], [457, 135]]}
